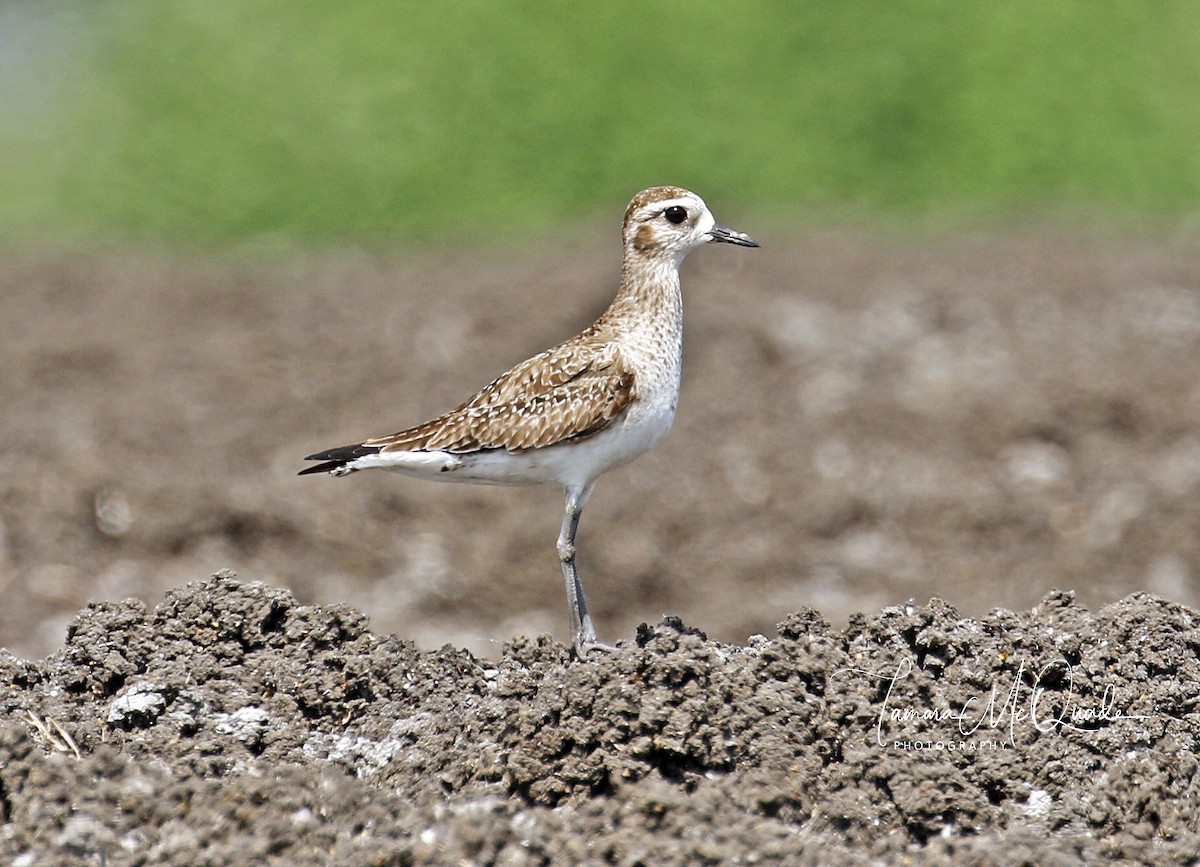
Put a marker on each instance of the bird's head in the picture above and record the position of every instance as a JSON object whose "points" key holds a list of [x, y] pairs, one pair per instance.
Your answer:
{"points": [[671, 222]]}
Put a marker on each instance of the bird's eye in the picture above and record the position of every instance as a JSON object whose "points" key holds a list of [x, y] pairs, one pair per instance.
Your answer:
{"points": [[675, 214]]}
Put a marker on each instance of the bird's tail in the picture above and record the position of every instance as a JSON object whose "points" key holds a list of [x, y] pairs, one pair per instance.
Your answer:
{"points": [[338, 461]]}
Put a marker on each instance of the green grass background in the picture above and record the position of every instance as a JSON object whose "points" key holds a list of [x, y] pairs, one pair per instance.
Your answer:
{"points": [[327, 122]]}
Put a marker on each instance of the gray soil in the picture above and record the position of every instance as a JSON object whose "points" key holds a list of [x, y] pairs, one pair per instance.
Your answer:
{"points": [[232, 725], [863, 422]]}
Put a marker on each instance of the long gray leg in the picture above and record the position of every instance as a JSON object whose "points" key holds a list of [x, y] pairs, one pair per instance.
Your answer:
{"points": [[583, 631]]}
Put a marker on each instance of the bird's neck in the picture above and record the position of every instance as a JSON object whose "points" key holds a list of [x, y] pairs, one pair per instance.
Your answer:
{"points": [[649, 291]]}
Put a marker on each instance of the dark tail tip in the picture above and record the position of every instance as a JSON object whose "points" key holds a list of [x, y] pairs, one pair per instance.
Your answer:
{"points": [[326, 467], [337, 458]]}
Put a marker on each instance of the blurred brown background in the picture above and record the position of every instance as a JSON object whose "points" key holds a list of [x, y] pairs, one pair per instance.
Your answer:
{"points": [[864, 419]]}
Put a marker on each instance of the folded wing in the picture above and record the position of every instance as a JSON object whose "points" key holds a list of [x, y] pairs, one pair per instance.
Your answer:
{"points": [[563, 394]]}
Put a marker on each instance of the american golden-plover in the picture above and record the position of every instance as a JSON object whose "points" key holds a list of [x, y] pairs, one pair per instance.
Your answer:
{"points": [[570, 414]]}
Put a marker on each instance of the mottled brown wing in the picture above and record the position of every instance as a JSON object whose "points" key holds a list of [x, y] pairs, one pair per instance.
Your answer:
{"points": [[563, 394]]}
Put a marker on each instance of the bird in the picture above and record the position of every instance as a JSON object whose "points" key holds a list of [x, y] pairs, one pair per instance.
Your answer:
{"points": [[571, 413]]}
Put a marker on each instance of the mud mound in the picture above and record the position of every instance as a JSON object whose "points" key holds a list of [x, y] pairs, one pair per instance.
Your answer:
{"points": [[232, 725]]}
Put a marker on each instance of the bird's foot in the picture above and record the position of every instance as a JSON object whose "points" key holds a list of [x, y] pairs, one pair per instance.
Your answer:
{"points": [[583, 648]]}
